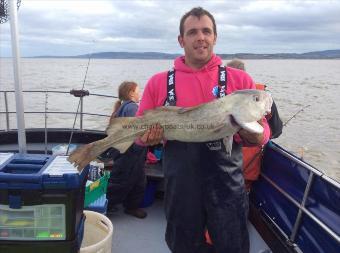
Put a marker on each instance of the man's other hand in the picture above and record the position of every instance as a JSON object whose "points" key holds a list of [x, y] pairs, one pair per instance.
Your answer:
{"points": [[251, 139], [153, 136]]}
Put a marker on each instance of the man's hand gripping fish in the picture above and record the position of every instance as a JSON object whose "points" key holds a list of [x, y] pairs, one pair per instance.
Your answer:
{"points": [[218, 119]]}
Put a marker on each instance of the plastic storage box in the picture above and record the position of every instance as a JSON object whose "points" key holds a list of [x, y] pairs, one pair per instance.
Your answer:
{"points": [[96, 189], [61, 149], [41, 203], [99, 206], [149, 194]]}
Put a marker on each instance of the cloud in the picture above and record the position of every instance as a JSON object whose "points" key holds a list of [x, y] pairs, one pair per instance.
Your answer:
{"points": [[69, 27]]}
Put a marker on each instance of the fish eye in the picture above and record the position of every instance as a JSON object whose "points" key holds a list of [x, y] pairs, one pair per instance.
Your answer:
{"points": [[256, 98]]}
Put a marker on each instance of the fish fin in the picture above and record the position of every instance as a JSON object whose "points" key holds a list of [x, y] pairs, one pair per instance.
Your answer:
{"points": [[118, 123], [228, 144], [253, 127], [189, 109], [123, 146]]}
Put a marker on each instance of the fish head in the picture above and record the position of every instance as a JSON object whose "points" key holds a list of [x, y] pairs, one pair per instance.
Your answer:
{"points": [[249, 107]]}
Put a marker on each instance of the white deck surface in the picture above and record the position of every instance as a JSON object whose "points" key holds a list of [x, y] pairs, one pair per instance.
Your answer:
{"points": [[132, 235]]}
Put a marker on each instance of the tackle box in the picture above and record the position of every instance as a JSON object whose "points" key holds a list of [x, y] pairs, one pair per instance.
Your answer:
{"points": [[41, 200]]}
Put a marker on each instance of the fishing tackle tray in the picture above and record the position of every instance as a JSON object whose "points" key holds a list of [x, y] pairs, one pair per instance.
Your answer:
{"points": [[45, 246], [41, 199]]}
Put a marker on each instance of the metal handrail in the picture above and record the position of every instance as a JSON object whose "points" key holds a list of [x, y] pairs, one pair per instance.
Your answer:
{"points": [[6, 108], [306, 166], [57, 91], [59, 112], [81, 113], [301, 206], [303, 209]]}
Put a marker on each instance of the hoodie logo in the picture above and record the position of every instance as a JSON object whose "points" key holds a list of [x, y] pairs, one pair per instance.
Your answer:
{"points": [[215, 91]]}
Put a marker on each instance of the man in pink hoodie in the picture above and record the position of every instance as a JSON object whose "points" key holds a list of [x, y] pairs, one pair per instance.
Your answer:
{"points": [[204, 185]]}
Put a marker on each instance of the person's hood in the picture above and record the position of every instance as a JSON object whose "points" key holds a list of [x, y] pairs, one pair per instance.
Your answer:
{"points": [[181, 66]]}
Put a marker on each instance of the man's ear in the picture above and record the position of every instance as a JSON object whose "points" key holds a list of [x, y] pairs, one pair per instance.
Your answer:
{"points": [[215, 39], [180, 40]]}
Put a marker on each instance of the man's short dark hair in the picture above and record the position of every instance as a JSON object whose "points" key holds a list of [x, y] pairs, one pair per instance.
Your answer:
{"points": [[196, 12]]}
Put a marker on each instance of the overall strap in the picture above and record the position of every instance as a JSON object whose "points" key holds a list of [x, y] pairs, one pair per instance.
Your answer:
{"points": [[222, 81], [171, 95], [221, 92]]}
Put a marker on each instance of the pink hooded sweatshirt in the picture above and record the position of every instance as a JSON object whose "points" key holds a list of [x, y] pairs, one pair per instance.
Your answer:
{"points": [[194, 87]]}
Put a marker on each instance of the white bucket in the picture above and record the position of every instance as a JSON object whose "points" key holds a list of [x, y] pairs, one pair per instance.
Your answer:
{"points": [[98, 232]]}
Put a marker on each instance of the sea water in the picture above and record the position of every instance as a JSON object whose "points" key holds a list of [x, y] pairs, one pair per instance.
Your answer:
{"points": [[311, 85]]}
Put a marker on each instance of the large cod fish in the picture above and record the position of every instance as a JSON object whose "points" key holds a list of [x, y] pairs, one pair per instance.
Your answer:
{"points": [[218, 119]]}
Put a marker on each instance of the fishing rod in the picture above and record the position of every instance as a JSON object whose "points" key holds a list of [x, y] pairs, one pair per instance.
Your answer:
{"points": [[262, 148], [45, 121], [301, 110], [79, 103]]}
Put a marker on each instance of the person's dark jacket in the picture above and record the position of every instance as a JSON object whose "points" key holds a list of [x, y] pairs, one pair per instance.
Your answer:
{"points": [[275, 123]]}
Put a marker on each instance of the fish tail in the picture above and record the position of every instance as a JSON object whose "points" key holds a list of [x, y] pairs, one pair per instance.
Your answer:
{"points": [[87, 153]]}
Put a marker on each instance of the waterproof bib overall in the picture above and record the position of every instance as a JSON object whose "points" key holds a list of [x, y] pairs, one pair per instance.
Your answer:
{"points": [[127, 179], [204, 189]]}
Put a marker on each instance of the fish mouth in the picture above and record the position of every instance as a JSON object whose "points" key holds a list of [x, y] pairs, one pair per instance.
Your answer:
{"points": [[252, 127]]}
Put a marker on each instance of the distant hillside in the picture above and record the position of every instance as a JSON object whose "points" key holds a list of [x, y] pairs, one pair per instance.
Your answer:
{"points": [[120, 55], [327, 54], [129, 55]]}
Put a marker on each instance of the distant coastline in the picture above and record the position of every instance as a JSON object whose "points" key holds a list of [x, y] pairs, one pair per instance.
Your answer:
{"points": [[326, 54]]}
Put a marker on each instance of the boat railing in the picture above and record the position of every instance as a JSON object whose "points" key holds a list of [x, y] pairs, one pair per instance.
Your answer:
{"points": [[76, 94], [302, 205]]}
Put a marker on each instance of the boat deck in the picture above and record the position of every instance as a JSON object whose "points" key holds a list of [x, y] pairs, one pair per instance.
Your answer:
{"points": [[147, 235]]}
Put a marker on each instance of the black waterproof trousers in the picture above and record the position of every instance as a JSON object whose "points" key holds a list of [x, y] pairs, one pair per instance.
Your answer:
{"points": [[205, 190], [127, 180]]}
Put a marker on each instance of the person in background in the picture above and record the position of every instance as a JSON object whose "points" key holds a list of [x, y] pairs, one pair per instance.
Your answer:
{"points": [[236, 64], [127, 179], [204, 185], [252, 155], [128, 97]]}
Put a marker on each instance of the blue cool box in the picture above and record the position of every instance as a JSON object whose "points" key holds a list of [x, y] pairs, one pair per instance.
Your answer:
{"points": [[35, 186], [39, 172]]}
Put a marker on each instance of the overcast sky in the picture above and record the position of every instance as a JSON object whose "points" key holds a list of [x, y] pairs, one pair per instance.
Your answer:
{"points": [[66, 27]]}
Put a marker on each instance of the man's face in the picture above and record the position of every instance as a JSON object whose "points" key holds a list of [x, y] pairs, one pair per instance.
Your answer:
{"points": [[198, 40]]}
